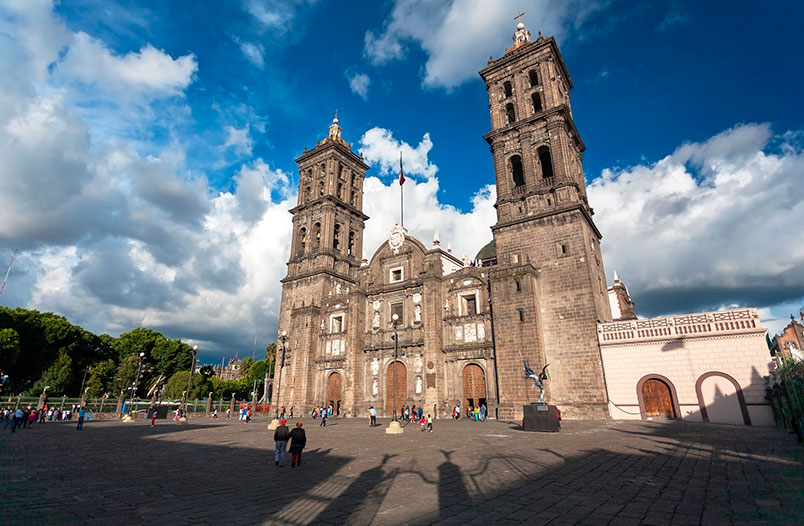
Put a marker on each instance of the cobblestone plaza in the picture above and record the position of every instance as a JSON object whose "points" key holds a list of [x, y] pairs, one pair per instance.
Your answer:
{"points": [[601, 472]]}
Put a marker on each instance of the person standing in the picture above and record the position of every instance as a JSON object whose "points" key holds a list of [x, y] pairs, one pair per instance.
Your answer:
{"points": [[298, 439], [372, 417], [281, 436], [153, 417], [429, 423], [18, 416], [323, 419], [82, 413]]}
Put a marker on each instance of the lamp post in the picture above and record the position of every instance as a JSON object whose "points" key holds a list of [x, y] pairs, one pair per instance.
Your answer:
{"points": [[283, 337], [394, 428], [183, 418], [127, 417]]}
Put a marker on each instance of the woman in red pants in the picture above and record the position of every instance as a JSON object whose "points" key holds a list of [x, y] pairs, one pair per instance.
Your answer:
{"points": [[298, 439]]}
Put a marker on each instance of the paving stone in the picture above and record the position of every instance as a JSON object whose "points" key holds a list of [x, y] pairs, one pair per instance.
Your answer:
{"points": [[464, 474]]}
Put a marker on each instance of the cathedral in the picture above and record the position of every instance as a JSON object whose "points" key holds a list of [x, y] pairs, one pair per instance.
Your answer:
{"points": [[415, 325]]}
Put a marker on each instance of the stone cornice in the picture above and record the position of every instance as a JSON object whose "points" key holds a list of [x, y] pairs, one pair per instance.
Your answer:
{"points": [[529, 48], [329, 201], [315, 272], [560, 109], [578, 206], [323, 146]]}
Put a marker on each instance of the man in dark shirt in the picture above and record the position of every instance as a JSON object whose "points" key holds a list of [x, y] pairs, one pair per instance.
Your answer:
{"points": [[281, 436]]}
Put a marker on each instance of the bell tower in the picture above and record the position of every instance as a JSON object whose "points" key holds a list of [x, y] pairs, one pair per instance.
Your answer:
{"points": [[547, 242], [318, 294]]}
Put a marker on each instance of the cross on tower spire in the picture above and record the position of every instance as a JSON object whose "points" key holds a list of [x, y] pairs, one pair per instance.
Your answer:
{"points": [[519, 16]]}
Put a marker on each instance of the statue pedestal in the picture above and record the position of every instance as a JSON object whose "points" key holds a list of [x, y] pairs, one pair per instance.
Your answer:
{"points": [[274, 424], [394, 428], [540, 417]]}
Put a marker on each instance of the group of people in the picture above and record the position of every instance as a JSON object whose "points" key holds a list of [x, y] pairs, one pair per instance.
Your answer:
{"points": [[283, 414], [24, 418], [297, 438], [245, 414], [323, 413]]}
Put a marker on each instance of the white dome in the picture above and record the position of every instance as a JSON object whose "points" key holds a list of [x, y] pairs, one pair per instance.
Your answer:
{"points": [[520, 26]]}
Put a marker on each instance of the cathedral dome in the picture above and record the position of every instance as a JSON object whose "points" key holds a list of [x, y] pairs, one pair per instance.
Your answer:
{"points": [[487, 252]]}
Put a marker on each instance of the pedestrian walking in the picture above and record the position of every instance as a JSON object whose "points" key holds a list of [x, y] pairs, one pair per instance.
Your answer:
{"points": [[372, 416], [429, 423], [82, 413], [298, 439], [422, 421], [18, 416], [153, 417], [228, 413], [281, 436], [323, 419]]}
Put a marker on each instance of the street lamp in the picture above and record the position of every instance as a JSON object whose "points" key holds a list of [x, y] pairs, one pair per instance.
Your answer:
{"points": [[189, 379], [283, 337], [394, 428], [127, 417], [137, 379]]}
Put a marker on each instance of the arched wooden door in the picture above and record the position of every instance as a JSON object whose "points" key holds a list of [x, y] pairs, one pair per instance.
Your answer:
{"points": [[474, 385], [657, 399], [399, 394], [334, 390]]}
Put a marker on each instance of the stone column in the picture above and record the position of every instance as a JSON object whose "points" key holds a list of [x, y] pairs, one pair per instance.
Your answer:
{"points": [[119, 408], [209, 404]]}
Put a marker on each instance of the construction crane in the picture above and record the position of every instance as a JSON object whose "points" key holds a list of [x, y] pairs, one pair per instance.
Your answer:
{"points": [[8, 271]]}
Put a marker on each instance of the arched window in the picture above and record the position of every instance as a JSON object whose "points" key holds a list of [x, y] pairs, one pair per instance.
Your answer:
{"points": [[320, 188], [507, 89], [534, 78], [546, 161], [351, 242], [317, 234], [307, 193], [302, 240], [340, 170], [509, 113], [537, 102], [352, 198], [516, 170], [340, 190], [336, 237]]}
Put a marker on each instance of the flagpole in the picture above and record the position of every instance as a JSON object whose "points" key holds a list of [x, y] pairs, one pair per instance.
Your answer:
{"points": [[401, 193]]}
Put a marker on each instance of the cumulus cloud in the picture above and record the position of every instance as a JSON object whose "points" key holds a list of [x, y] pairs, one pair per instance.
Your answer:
{"points": [[457, 35], [379, 147], [239, 139], [149, 71], [708, 225], [359, 84]]}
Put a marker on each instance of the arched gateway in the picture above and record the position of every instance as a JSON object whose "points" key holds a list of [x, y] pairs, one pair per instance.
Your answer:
{"points": [[334, 390], [474, 386], [399, 394]]}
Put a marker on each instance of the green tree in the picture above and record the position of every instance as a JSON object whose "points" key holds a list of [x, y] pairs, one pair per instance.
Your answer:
{"points": [[58, 377], [200, 386], [270, 357], [9, 348], [100, 379], [125, 375]]}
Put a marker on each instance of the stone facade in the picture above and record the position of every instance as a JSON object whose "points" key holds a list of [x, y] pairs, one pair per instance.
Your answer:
{"points": [[790, 342], [464, 330], [706, 366]]}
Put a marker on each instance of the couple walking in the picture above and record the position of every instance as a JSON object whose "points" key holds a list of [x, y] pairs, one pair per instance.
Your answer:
{"points": [[298, 439]]}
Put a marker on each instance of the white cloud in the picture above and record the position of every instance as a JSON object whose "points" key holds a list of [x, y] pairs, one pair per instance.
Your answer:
{"points": [[457, 35], [239, 139], [379, 147], [252, 51], [709, 224], [359, 84], [150, 71]]}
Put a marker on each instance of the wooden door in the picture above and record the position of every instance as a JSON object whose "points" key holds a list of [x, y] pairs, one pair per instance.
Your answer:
{"points": [[474, 385], [657, 398], [334, 384], [401, 393]]}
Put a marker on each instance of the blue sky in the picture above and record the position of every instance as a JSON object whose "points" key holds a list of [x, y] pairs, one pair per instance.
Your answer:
{"points": [[149, 147]]}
